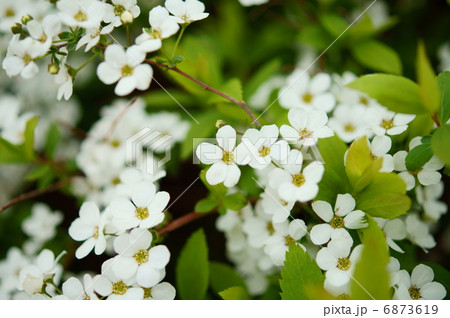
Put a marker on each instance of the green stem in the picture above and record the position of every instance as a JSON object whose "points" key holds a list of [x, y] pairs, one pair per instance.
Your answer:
{"points": [[128, 34], [183, 27], [86, 63], [59, 291]]}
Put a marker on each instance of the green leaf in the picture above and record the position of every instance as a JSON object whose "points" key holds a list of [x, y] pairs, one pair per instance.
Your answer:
{"points": [[334, 180], [384, 197], [233, 87], [169, 98], [360, 167], [397, 93], [223, 276], [38, 173], [65, 36], [235, 201], [418, 156], [263, 74], [53, 137], [10, 153], [234, 293], [334, 24], [444, 84], [192, 269], [206, 205], [420, 126], [300, 275], [440, 143], [377, 56], [426, 78], [371, 278], [218, 190], [29, 137]]}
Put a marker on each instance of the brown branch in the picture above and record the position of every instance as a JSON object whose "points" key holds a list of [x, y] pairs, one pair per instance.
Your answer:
{"points": [[35, 193], [185, 219], [205, 86]]}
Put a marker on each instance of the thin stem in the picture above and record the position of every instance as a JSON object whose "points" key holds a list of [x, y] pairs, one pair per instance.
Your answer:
{"points": [[59, 291], [35, 193], [205, 86], [128, 35], [183, 27], [435, 119], [86, 63], [185, 219]]}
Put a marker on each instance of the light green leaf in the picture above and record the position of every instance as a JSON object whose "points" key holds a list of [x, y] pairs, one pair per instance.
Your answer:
{"points": [[334, 24], [371, 278], [444, 84], [192, 269], [384, 197], [300, 275], [426, 78], [168, 98], [334, 180], [358, 159], [53, 137], [218, 190], [233, 87], [418, 156], [206, 205], [235, 201], [263, 74], [421, 125], [440, 142], [29, 137], [10, 153], [397, 93], [223, 276], [234, 293], [377, 56], [38, 173]]}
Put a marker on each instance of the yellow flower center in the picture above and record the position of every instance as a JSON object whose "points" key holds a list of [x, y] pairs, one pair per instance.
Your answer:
{"points": [[86, 297], [10, 12], [270, 228], [298, 180], [307, 98], [349, 127], [119, 288], [119, 9], [141, 256], [305, 133], [228, 157], [265, 151], [27, 59], [414, 292], [387, 124], [288, 240], [142, 213], [337, 222], [364, 100], [343, 296], [80, 16], [343, 264], [96, 232], [127, 70]]}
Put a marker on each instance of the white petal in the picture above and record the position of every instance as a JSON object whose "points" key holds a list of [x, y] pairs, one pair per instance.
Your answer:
{"points": [[232, 177], [321, 233], [325, 259], [85, 248], [217, 173], [143, 74], [381, 145], [124, 267], [226, 138], [320, 83], [324, 210], [429, 177], [143, 194], [103, 286], [208, 153], [355, 220], [115, 56], [159, 256], [433, 291], [107, 74], [421, 275], [345, 203], [337, 277], [163, 291], [125, 86], [147, 276]]}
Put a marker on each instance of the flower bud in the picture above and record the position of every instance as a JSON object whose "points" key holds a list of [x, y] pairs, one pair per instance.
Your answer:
{"points": [[127, 17], [26, 18], [53, 68], [16, 28], [220, 123]]}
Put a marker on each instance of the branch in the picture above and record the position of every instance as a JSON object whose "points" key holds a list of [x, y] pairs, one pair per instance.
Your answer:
{"points": [[35, 193], [185, 219], [205, 86]]}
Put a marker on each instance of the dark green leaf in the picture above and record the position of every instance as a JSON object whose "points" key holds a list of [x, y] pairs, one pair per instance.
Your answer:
{"points": [[444, 84], [418, 156], [223, 276], [264, 73], [334, 24], [300, 275], [65, 36], [235, 201], [53, 137], [440, 143], [217, 190], [206, 205], [377, 56], [29, 137], [192, 270], [397, 93]]}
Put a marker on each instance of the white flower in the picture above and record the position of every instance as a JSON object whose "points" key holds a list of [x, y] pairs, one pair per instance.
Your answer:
{"points": [[110, 285], [85, 14], [75, 290], [136, 257], [419, 232], [292, 183], [10, 268], [163, 26], [346, 122], [90, 39], [120, 12], [274, 205], [284, 234], [428, 197], [263, 146], [303, 91], [340, 219], [419, 285], [162, 291], [186, 11], [379, 147], [32, 277], [394, 230], [247, 3], [45, 31], [383, 121], [126, 68], [21, 56], [171, 127], [145, 210], [258, 227], [10, 12], [42, 223], [307, 126], [89, 227], [224, 158], [64, 80], [338, 264]]}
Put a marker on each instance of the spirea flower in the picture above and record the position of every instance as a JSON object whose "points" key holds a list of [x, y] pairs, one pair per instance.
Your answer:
{"points": [[186, 11]]}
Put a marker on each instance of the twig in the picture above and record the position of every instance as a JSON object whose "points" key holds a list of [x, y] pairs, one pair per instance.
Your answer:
{"points": [[35, 193], [185, 219], [205, 86]]}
